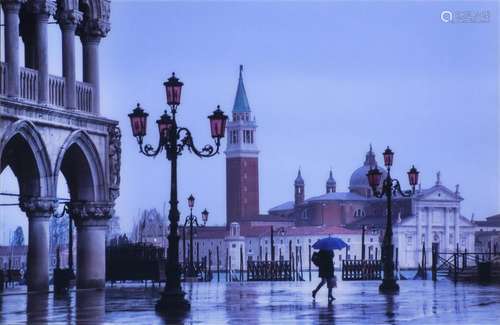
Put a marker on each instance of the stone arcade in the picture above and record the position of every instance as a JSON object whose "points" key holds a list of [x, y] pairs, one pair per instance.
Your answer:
{"points": [[51, 125]]}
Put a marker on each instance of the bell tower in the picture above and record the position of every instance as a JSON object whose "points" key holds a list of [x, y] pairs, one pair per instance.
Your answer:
{"points": [[299, 189], [242, 165]]}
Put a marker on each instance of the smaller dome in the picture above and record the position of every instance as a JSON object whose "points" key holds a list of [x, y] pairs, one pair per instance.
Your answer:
{"points": [[299, 180]]}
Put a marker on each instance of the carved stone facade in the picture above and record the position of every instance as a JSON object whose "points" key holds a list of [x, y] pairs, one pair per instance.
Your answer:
{"points": [[52, 125]]}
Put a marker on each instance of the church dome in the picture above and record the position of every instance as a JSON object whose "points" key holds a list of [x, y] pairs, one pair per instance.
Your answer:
{"points": [[358, 181]]}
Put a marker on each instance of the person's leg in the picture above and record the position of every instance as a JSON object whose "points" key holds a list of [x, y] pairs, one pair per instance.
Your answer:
{"points": [[322, 283], [330, 289]]}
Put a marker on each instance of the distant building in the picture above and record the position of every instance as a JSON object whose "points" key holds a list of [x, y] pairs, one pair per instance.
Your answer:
{"points": [[488, 235]]}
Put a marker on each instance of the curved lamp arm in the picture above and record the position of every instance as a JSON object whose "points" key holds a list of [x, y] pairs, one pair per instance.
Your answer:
{"points": [[397, 189], [148, 150], [187, 141]]}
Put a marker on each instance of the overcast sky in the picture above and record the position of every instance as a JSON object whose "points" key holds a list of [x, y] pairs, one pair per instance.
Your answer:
{"points": [[324, 80]]}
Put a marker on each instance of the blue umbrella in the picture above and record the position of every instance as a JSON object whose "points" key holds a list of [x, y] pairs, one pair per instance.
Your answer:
{"points": [[330, 243]]}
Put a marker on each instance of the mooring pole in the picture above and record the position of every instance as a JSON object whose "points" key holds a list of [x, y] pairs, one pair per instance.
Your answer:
{"points": [[218, 264], [241, 263], [310, 277], [434, 263]]}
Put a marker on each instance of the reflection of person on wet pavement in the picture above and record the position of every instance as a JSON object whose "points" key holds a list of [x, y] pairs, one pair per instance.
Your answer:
{"points": [[324, 260]]}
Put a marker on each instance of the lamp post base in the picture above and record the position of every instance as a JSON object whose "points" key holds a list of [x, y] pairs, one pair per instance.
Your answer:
{"points": [[173, 302], [389, 286]]}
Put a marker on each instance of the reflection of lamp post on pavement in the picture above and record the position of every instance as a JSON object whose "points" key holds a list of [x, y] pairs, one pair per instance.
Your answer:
{"points": [[390, 187]]}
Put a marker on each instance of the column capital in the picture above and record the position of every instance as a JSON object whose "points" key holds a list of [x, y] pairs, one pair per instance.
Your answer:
{"points": [[93, 30], [91, 213], [38, 207], [42, 8], [12, 5], [69, 19]]}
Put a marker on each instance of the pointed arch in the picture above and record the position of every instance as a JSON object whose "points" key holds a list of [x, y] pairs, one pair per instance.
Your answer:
{"points": [[79, 161], [23, 149]]}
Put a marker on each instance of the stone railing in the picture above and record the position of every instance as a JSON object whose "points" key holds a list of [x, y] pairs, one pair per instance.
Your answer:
{"points": [[28, 84], [29, 89], [56, 91], [84, 97]]}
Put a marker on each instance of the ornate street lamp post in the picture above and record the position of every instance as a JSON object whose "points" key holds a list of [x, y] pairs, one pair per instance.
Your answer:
{"points": [[390, 187], [174, 139], [193, 221]]}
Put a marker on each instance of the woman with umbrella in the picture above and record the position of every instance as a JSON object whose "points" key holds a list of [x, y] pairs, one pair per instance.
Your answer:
{"points": [[324, 261]]}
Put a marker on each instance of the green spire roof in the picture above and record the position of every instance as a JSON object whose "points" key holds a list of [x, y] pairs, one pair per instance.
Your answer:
{"points": [[241, 101]]}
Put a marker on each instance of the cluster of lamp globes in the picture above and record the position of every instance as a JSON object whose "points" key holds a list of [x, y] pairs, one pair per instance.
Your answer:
{"points": [[374, 175], [173, 88]]}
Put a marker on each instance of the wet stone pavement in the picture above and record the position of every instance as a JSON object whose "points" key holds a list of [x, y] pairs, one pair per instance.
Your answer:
{"points": [[419, 302]]}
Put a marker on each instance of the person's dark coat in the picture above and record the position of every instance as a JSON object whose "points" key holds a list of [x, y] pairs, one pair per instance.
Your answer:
{"points": [[325, 264]]}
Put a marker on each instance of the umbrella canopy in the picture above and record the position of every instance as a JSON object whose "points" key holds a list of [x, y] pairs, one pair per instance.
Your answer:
{"points": [[330, 243]]}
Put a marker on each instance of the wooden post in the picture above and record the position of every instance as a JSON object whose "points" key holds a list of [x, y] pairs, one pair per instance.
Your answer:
{"points": [[363, 243], [272, 244], [209, 271], [241, 263], [434, 263], [184, 245], [376, 253], [260, 253], [301, 269], [310, 277], [455, 262], [297, 262], [230, 269], [218, 263], [293, 267], [424, 261], [198, 253], [464, 260], [227, 264], [290, 252]]}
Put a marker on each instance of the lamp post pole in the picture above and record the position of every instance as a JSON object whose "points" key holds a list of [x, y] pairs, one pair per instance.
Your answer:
{"points": [[389, 188], [174, 139], [193, 221]]}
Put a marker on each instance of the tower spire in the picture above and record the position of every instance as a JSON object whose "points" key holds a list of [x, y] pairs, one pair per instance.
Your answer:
{"points": [[241, 104]]}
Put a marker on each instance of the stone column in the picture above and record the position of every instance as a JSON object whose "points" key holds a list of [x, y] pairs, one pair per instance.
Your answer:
{"points": [[42, 10], [11, 14], [90, 46], [90, 34], [68, 21], [91, 221], [38, 211]]}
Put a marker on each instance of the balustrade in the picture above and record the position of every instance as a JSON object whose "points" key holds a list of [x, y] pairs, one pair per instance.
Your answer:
{"points": [[29, 89]]}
